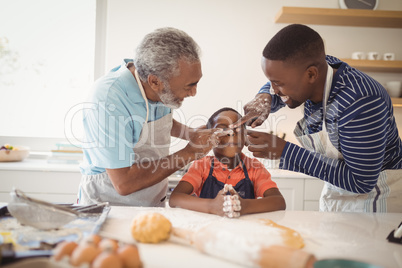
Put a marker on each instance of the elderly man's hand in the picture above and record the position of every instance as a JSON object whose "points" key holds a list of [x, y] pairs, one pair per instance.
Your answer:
{"points": [[256, 111], [265, 145], [203, 140]]}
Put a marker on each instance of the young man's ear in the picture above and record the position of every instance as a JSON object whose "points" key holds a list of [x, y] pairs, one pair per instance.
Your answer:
{"points": [[312, 73], [155, 83]]}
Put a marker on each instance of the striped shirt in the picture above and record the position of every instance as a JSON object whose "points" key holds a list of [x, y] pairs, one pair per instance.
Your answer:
{"points": [[361, 125]]}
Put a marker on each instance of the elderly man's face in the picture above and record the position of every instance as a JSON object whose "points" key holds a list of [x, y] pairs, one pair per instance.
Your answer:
{"points": [[182, 86]]}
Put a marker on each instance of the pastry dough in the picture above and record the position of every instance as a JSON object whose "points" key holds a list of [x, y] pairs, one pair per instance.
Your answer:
{"points": [[151, 228]]}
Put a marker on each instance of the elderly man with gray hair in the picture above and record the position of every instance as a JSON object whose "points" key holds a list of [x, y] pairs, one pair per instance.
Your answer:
{"points": [[128, 128]]}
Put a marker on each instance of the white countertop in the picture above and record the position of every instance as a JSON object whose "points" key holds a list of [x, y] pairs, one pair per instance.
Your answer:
{"points": [[354, 236], [32, 164]]}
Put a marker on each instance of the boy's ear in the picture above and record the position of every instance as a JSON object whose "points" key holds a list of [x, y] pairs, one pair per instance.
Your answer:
{"points": [[155, 83]]}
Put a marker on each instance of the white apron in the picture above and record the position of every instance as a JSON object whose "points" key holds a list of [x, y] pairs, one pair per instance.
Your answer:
{"points": [[153, 143], [385, 197]]}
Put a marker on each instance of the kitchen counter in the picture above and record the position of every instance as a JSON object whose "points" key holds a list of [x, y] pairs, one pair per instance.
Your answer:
{"points": [[354, 236], [33, 164]]}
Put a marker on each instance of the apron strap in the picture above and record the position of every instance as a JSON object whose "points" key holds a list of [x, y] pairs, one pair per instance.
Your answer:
{"points": [[142, 92], [244, 169], [211, 170], [327, 90]]}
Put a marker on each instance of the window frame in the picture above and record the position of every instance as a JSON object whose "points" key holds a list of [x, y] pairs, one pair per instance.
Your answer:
{"points": [[45, 144]]}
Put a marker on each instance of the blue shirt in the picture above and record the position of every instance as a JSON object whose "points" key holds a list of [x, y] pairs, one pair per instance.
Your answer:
{"points": [[361, 125], [113, 119]]}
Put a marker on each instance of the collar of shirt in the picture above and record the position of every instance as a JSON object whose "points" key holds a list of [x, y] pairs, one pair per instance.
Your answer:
{"points": [[219, 165]]}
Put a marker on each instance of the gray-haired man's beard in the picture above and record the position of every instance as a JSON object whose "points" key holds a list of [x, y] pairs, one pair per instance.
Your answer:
{"points": [[169, 99]]}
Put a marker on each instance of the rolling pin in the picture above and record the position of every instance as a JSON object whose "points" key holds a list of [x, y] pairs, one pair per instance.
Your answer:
{"points": [[249, 243]]}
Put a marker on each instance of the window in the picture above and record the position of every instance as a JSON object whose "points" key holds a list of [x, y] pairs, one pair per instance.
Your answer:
{"points": [[47, 54]]}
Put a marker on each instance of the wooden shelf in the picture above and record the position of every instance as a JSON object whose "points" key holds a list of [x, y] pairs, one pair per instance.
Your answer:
{"points": [[386, 66], [396, 102], [342, 17]]}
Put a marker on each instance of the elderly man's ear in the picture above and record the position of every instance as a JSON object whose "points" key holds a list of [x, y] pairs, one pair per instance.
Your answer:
{"points": [[155, 83]]}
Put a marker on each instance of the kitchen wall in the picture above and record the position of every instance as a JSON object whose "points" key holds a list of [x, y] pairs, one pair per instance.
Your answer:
{"points": [[232, 34]]}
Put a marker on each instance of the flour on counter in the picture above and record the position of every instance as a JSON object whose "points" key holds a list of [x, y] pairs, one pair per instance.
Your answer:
{"points": [[242, 241]]}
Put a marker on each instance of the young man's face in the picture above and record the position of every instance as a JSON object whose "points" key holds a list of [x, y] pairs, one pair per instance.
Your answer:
{"points": [[232, 144], [182, 86], [288, 81]]}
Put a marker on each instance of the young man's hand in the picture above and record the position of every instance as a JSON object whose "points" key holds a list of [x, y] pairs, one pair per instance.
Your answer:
{"points": [[255, 112], [265, 145]]}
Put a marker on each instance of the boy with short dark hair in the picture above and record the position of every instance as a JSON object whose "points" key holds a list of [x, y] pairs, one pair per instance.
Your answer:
{"points": [[228, 183]]}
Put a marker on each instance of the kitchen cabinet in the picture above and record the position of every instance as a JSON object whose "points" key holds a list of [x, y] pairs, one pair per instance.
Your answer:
{"points": [[59, 187], [301, 192], [293, 192], [312, 194], [38, 179]]}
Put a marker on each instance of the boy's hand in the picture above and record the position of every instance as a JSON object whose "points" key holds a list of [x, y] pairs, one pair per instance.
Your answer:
{"points": [[216, 204], [226, 205], [232, 203]]}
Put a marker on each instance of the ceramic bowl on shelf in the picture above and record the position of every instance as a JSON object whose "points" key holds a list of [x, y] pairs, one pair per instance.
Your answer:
{"points": [[19, 153], [394, 88]]}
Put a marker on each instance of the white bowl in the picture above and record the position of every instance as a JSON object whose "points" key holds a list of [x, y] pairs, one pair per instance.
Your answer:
{"points": [[14, 155], [394, 88]]}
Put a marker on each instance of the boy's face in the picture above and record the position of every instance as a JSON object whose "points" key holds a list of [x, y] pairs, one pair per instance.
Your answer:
{"points": [[232, 144]]}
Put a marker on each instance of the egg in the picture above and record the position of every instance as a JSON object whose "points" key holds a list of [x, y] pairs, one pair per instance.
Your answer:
{"points": [[108, 244], [84, 253], [93, 238], [64, 248], [107, 260], [129, 256]]}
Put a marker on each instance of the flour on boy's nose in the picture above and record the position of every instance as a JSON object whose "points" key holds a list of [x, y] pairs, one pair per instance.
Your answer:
{"points": [[227, 132]]}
